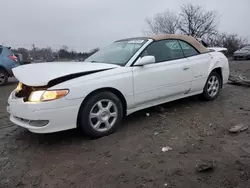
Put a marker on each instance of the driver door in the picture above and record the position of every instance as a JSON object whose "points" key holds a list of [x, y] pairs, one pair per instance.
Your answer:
{"points": [[169, 76]]}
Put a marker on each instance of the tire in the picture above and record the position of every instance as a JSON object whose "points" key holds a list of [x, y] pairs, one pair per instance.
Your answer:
{"points": [[3, 77], [212, 88], [96, 119]]}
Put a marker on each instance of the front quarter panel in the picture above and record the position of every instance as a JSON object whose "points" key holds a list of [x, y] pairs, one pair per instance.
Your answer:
{"points": [[118, 78]]}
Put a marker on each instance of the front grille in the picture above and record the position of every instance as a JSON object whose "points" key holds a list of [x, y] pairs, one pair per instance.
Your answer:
{"points": [[34, 123]]}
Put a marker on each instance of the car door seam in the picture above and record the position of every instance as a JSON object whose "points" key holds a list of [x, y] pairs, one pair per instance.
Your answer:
{"points": [[169, 85]]}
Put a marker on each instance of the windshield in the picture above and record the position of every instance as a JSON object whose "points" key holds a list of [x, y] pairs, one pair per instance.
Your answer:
{"points": [[118, 53]]}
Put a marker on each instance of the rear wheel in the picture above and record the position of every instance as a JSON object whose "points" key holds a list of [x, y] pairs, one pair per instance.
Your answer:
{"points": [[100, 115], [212, 88], [3, 77]]}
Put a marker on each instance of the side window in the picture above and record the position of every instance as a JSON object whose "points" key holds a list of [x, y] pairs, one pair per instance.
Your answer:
{"points": [[1, 49], [188, 50], [164, 50], [175, 48]]}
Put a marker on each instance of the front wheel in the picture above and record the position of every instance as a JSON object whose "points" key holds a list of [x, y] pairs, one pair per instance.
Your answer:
{"points": [[212, 88], [100, 115], [3, 77]]}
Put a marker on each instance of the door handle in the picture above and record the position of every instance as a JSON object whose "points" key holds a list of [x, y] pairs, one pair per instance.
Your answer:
{"points": [[185, 68]]}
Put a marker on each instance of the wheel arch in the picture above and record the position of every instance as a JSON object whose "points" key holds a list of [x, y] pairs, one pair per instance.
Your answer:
{"points": [[3, 68], [106, 89], [218, 70]]}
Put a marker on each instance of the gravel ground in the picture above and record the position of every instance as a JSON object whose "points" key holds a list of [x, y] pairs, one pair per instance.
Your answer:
{"points": [[197, 132]]}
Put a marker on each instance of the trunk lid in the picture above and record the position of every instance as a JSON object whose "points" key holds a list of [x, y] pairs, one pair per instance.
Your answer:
{"points": [[217, 49]]}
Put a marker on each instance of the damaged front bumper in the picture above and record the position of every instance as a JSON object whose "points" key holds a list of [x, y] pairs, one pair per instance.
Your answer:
{"points": [[44, 117]]}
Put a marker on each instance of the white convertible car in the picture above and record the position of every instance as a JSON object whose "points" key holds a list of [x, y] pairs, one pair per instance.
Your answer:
{"points": [[124, 77]]}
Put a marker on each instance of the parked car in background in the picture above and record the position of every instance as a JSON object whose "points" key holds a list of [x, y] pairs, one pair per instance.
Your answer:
{"points": [[19, 58], [122, 78], [23, 60], [243, 53], [8, 61], [50, 59]]}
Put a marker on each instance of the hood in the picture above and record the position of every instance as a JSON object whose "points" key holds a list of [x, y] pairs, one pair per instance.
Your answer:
{"points": [[217, 49], [41, 74]]}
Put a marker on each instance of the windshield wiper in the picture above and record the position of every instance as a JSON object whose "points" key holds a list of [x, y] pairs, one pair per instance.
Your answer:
{"points": [[100, 62]]}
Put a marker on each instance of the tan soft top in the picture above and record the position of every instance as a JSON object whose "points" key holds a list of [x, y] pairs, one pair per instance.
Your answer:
{"points": [[188, 39]]}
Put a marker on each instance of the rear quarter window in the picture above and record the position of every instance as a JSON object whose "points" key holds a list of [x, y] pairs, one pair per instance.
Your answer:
{"points": [[188, 50]]}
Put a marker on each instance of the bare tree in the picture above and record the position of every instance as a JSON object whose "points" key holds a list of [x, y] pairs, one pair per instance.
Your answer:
{"points": [[163, 23], [232, 42], [91, 52], [33, 47], [197, 22], [65, 47], [23, 51]]}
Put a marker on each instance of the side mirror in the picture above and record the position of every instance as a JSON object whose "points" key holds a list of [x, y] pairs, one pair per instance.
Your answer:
{"points": [[145, 60]]}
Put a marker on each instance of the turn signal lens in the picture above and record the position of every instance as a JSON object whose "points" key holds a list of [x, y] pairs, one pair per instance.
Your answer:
{"points": [[39, 96]]}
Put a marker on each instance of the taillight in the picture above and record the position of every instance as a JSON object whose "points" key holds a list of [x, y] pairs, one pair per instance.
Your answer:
{"points": [[14, 58]]}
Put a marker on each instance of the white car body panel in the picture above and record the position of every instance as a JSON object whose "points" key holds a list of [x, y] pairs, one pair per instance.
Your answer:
{"points": [[159, 80], [54, 111], [161, 101], [203, 64], [119, 78], [199, 66], [141, 87], [42, 73]]}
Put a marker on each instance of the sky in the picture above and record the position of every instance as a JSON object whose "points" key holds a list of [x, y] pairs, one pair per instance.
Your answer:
{"points": [[86, 24]]}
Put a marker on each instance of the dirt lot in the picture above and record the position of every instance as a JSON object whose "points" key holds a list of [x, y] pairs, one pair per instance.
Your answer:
{"points": [[132, 157]]}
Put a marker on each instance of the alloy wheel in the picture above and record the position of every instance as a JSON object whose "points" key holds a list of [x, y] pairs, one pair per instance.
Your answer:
{"points": [[2, 78], [213, 86], [103, 115]]}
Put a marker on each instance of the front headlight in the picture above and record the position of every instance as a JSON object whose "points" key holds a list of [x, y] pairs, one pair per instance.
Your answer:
{"points": [[19, 87], [39, 96]]}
